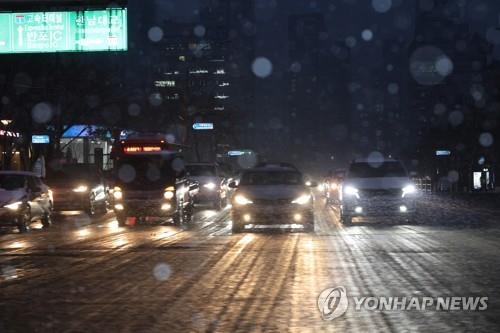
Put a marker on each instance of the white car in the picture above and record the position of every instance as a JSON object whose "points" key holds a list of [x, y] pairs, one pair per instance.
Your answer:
{"points": [[272, 195], [380, 188], [23, 199]]}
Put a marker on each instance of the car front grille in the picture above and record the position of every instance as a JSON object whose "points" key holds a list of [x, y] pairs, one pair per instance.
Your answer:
{"points": [[143, 195], [386, 193], [272, 202]]}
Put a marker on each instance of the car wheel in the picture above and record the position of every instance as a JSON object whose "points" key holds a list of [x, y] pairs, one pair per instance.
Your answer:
{"points": [[91, 207], [179, 217], [346, 219], [411, 219], [309, 226], [188, 215], [103, 210], [122, 220], [237, 227], [24, 220], [46, 220], [218, 204]]}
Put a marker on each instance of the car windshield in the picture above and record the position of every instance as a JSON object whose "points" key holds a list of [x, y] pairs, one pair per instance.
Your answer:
{"points": [[200, 170], [12, 182], [145, 173], [375, 170], [271, 178]]}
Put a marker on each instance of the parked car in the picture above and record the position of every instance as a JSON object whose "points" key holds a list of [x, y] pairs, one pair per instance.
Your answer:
{"points": [[24, 198], [79, 187]]}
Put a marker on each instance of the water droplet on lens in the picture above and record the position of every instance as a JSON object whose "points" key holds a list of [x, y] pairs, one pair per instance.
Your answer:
{"points": [[375, 159], [162, 272], [155, 34], [262, 67], [381, 6], [199, 31], [486, 139], [42, 113], [367, 35], [126, 173], [134, 109]]}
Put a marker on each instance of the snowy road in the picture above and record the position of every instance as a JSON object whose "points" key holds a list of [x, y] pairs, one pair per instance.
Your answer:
{"points": [[93, 276]]}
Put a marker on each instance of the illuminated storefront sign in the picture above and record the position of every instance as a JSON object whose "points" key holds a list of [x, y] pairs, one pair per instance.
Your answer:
{"points": [[65, 31], [43, 139], [9, 133]]}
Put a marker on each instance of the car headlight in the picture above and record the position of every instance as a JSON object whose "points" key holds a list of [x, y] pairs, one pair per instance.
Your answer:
{"points": [[117, 193], [81, 189], [240, 200], [209, 186], [14, 206], [351, 191], [409, 189], [303, 199], [169, 193]]}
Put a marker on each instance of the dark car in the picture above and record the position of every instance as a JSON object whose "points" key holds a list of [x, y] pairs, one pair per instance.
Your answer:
{"points": [[24, 198], [79, 187], [213, 189], [272, 195], [147, 186], [332, 184]]}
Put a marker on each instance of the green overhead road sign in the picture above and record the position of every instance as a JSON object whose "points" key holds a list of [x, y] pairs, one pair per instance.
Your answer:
{"points": [[68, 31]]}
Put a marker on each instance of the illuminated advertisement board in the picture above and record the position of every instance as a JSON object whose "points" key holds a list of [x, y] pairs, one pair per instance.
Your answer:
{"points": [[64, 31]]}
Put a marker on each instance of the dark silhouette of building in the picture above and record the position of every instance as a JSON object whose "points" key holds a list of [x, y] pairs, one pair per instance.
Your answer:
{"points": [[318, 106]]}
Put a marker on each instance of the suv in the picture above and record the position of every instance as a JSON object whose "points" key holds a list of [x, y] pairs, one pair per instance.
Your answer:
{"points": [[272, 195], [377, 189]]}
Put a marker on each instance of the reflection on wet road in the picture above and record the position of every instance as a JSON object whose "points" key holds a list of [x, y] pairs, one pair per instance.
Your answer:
{"points": [[94, 276]]}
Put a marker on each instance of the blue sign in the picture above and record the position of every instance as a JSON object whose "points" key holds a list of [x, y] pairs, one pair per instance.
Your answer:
{"points": [[40, 139], [203, 126], [443, 153], [83, 131], [235, 153]]}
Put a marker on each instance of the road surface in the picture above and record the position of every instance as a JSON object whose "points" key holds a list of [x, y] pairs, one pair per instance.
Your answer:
{"points": [[85, 275]]}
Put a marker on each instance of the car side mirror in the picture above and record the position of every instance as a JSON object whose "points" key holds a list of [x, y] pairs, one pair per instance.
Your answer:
{"points": [[232, 185]]}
